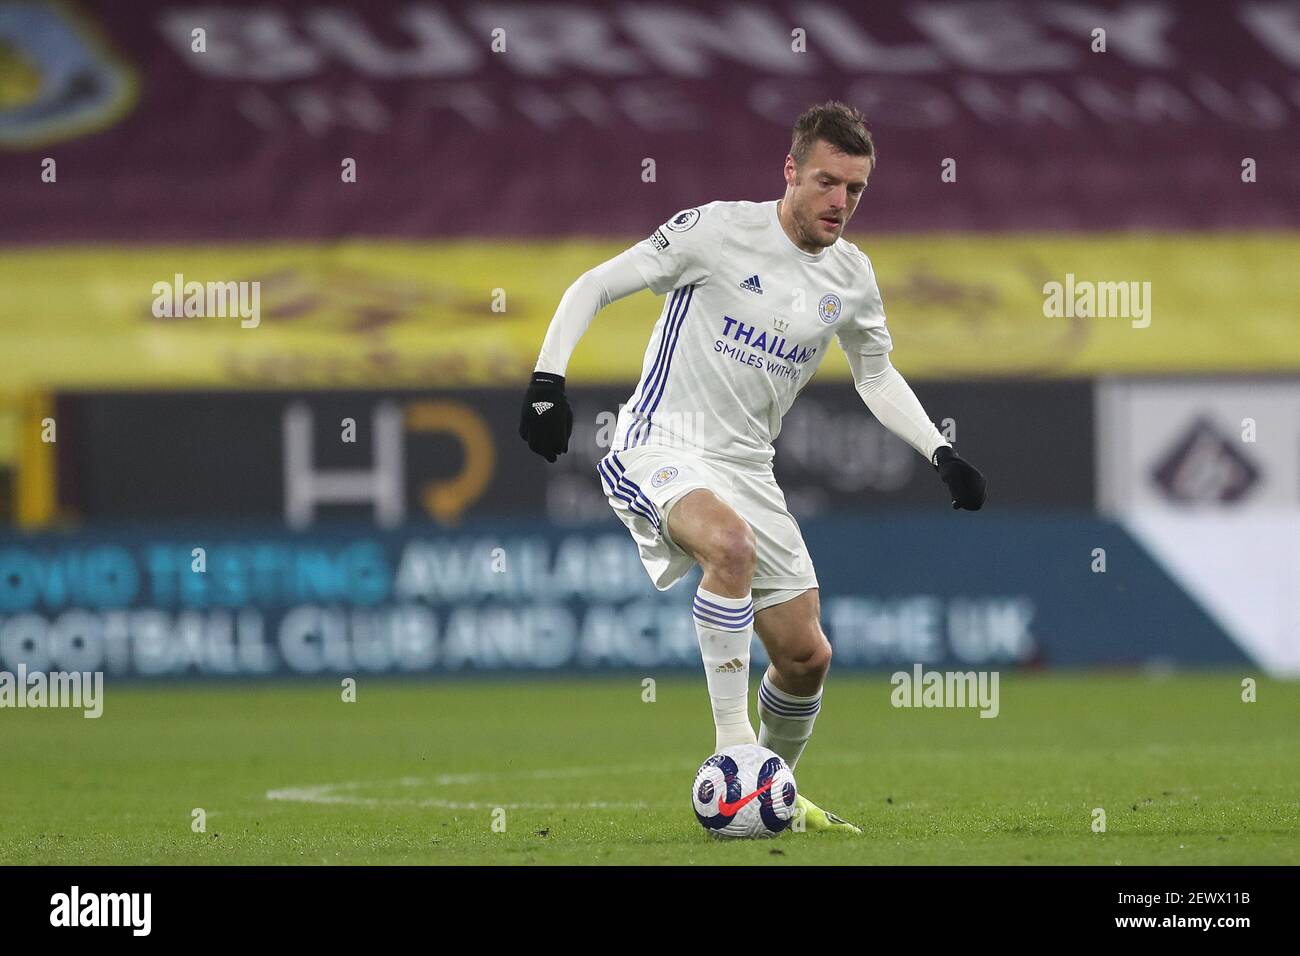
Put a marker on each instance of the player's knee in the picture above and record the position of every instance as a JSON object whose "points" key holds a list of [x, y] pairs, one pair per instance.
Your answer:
{"points": [[822, 657], [807, 666], [735, 551], [818, 661]]}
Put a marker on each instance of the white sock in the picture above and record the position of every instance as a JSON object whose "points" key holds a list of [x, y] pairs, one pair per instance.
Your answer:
{"points": [[725, 627], [785, 720]]}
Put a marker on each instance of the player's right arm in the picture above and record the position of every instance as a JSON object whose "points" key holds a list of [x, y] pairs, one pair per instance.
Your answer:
{"points": [[673, 255], [546, 420], [596, 288]]}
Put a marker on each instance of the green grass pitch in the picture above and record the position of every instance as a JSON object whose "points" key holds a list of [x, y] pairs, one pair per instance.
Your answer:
{"points": [[586, 772]]}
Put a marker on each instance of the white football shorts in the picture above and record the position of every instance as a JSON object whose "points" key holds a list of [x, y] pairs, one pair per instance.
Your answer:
{"points": [[642, 484]]}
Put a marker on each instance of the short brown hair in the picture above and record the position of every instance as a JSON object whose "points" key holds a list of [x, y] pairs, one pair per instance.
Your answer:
{"points": [[841, 126]]}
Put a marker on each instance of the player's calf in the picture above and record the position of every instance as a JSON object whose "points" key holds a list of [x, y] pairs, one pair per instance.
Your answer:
{"points": [[790, 696], [722, 542]]}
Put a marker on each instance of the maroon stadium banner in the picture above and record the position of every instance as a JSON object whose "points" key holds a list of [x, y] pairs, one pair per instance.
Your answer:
{"points": [[173, 120]]}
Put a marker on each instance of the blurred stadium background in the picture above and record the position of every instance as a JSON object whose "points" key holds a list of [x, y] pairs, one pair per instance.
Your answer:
{"points": [[413, 301]]}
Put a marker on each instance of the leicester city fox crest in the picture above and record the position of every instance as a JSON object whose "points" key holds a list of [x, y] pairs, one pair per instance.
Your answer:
{"points": [[829, 308], [663, 476]]}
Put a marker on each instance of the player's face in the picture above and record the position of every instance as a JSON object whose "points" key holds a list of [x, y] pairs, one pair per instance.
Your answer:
{"points": [[823, 193]]}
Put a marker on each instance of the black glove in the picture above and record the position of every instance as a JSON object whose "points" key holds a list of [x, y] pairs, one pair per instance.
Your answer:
{"points": [[965, 483], [546, 420]]}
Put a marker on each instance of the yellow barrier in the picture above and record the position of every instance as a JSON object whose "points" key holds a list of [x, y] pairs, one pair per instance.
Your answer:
{"points": [[408, 314]]}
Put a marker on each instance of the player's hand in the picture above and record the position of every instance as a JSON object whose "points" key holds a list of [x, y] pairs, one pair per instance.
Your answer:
{"points": [[546, 421], [965, 483]]}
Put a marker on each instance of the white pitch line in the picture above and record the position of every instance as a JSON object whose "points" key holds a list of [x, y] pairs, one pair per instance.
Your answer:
{"points": [[336, 793]]}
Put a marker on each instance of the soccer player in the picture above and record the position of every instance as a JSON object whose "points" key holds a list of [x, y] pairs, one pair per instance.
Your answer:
{"points": [[755, 291]]}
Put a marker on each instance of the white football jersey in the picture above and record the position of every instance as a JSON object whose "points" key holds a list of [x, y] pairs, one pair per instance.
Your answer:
{"points": [[747, 320]]}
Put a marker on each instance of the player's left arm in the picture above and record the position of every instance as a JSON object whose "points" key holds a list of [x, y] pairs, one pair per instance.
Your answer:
{"points": [[889, 397], [867, 343]]}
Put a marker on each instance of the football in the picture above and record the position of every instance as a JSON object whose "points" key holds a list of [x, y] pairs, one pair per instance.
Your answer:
{"points": [[744, 792]]}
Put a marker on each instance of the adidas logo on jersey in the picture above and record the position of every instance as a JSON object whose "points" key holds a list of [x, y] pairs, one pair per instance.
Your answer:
{"points": [[752, 285], [542, 407]]}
